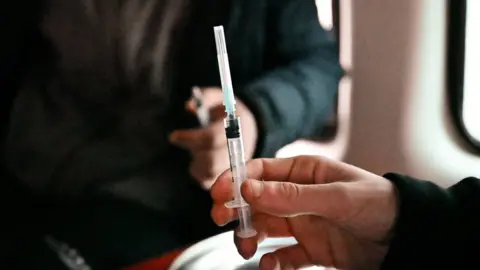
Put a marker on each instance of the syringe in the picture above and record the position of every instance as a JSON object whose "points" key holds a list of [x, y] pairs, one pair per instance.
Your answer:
{"points": [[234, 138], [202, 111], [69, 256]]}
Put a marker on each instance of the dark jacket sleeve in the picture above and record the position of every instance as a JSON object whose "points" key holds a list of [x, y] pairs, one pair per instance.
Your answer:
{"points": [[437, 228], [296, 97]]}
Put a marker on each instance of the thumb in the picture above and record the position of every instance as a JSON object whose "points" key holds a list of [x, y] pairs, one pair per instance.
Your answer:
{"points": [[287, 199]]}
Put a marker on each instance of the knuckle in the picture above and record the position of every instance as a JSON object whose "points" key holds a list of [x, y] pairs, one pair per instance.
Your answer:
{"points": [[340, 191], [197, 171], [207, 183], [194, 173], [255, 166], [203, 164], [208, 139], [219, 162], [219, 140], [210, 172], [208, 167], [345, 205], [289, 190]]}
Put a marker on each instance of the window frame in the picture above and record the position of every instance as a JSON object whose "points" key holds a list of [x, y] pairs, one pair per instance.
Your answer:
{"points": [[329, 131], [457, 13]]}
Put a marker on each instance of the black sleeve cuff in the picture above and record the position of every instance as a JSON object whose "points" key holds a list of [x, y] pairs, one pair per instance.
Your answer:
{"points": [[267, 141], [427, 235]]}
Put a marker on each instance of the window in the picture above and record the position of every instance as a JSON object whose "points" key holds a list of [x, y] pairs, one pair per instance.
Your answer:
{"points": [[463, 66], [471, 78], [325, 13], [328, 14]]}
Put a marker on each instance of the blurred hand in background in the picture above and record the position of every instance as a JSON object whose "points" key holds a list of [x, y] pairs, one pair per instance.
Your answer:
{"points": [[208, 145]]}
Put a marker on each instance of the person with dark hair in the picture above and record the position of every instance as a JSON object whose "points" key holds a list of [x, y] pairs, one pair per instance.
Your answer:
{"points": [[348, 218], [99, 128]]}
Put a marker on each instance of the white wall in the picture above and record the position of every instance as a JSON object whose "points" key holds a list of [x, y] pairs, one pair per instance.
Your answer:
{"points": [[393, 109]]}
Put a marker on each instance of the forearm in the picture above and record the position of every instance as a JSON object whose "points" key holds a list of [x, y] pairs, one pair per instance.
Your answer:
{"points": [[293, 101], [295, 97]]}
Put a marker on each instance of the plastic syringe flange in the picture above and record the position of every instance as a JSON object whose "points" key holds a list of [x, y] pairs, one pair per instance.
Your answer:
{"points": [[236, 204]]}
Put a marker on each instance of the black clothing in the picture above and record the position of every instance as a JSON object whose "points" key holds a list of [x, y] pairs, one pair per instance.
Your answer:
{"points": [[109, 233], [437, 228]]}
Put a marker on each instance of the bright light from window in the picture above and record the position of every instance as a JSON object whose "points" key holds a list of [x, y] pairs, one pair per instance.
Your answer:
{"points": [[324, 8], [471, 96]]}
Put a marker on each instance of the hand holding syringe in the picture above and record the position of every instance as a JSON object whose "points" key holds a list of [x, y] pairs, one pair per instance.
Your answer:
{"points": [[234, 138]]}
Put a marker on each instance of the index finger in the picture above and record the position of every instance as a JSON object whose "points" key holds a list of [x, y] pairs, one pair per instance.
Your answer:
{"points": [[198, 139], [299, 169]]}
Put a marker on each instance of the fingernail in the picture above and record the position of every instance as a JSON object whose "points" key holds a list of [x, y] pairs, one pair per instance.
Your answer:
{"points": [[271, 262], [249, 255], [256, 188], [248, 249]]}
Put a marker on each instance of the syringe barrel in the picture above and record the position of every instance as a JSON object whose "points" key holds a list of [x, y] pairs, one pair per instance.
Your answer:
{"points": [[238, 167], [236, 154], [239, 175], [245, 229]]}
